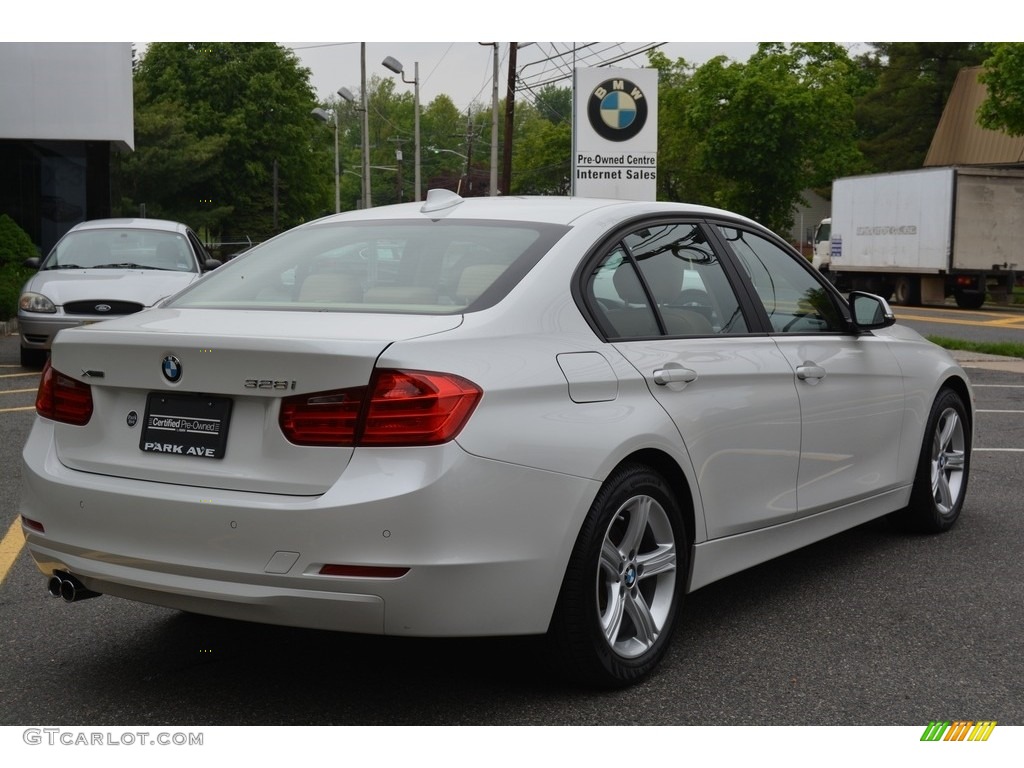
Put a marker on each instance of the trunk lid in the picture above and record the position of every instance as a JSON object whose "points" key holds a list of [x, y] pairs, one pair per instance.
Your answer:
{"points": [[233, 369]]}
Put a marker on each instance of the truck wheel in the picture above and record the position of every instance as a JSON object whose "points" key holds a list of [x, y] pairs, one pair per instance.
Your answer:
{"points": [[969, 299], [907, 291]]}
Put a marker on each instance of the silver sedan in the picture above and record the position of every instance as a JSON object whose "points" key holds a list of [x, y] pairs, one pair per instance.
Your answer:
{"points": [[500, 416], [105, 268]]}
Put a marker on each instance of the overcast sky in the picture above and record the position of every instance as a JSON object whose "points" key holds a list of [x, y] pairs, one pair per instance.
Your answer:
{"points": [[465, 71]]}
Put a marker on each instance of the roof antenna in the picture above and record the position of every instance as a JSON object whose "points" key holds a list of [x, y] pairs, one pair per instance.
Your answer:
{"points": [[439, 200]]}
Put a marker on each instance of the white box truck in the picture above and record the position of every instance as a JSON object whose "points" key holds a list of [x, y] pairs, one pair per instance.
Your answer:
{"points": [[921, 236]]}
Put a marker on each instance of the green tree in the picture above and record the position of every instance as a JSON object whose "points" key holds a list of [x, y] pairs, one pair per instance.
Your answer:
{"points": [[444, 157], [554, 104], [225, 139], [15, 247], [680, 176], [542, 160], [1003, 109], [753, 136], [897, 117]]}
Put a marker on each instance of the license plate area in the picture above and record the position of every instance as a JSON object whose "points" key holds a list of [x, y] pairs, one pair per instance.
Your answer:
{"points": [[186, 425]]}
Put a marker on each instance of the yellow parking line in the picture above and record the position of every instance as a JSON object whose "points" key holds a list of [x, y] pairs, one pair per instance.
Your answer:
{"points": [[987, 320], [17, 375], [12, 410], [18, 391], [10, 547]]}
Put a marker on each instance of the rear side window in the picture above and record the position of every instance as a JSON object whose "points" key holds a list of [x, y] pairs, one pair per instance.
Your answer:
{"points": [[432, 267], [663, 280]]}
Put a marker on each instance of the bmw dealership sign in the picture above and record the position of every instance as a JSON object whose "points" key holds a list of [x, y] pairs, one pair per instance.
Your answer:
{"points": [[615, 133]]}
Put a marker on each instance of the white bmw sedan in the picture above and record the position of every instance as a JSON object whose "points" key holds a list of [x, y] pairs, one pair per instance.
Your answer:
{"points": [[490, 416]]}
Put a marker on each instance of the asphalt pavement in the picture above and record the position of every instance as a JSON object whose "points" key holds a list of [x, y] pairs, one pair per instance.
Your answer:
{"points": [[868, 627]]}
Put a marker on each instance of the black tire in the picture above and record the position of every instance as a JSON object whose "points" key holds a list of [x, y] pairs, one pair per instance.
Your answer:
{"points": [[940, 484], [969, 299], [33, 358], [624, 584], [907, 291]]}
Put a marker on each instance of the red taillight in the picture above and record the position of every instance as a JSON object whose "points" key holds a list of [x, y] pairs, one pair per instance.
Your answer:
{"points": [[417, 408], [63, 399], [398, 408], [322, 418]]}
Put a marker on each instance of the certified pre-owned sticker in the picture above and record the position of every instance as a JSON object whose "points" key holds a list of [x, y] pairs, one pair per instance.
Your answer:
{"points": [[186, 425]]}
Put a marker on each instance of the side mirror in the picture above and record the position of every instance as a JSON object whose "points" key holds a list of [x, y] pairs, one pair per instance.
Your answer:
{"points": [[31, 263], [211, 264], [870, 312]]}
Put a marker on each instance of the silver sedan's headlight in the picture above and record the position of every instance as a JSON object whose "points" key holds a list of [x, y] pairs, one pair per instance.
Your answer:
{"points": [[36, 302]]}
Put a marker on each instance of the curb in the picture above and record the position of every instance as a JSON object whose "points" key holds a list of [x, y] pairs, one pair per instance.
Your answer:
{"points": [[990, 362]]}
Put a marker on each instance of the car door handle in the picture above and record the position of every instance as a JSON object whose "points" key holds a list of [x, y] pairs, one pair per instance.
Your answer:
{"points": [[674, 375], [810, 372]]}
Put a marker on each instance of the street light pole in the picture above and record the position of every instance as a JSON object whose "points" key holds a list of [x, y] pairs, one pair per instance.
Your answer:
{"points": [[324, 115], [367, 202], [396, 66], [346, 94]]}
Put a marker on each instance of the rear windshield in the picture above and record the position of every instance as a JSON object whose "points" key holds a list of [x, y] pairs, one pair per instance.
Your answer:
{"points": [[420, 267]]}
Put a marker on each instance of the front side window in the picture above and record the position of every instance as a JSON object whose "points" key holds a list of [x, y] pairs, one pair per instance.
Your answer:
{"points": [[418, 267], [663, 280], [794, 300]]}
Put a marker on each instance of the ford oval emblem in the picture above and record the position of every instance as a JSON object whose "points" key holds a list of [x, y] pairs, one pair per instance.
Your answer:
{"points": [[171, 368], [102, 307]]}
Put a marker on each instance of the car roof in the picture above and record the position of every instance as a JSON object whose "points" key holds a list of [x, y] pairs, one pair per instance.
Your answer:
{"points": [[553, 210], [157, 224]]}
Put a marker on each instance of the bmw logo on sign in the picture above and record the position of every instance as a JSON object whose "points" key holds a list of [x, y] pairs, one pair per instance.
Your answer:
{"points": [[617, 109], [172, 369]]}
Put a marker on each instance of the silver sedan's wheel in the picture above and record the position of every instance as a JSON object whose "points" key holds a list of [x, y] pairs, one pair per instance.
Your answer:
{"points": [[624, 583], [636, 576], [943, 469], [947, 461]]}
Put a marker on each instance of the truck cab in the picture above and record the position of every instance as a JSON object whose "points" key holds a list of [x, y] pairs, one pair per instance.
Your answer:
{"points": [[822, 244]]}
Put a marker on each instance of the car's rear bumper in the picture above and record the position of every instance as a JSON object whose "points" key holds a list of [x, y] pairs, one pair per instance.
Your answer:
{"points": [[485, 542]]}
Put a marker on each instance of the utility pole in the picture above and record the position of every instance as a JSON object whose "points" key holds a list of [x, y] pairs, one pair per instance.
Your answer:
{"points": [[510, 109], [469, 152], [367, 196], [398, 164], [494, 124]]}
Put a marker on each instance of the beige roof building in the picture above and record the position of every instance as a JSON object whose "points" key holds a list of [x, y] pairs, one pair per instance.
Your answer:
{"points": [[959, 140]]}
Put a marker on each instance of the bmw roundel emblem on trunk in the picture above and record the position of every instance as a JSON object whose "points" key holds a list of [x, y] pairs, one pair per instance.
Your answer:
{"points": [[171, 368]]}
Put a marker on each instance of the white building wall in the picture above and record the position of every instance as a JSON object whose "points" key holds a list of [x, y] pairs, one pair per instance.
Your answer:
{"points": [[67, 92]]}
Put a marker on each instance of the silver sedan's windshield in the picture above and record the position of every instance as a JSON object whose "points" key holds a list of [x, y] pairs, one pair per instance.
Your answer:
{"points": [[126, 248]]}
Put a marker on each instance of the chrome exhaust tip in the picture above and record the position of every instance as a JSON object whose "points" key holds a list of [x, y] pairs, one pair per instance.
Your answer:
{"points": [[53, 585], [68, 587]]}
